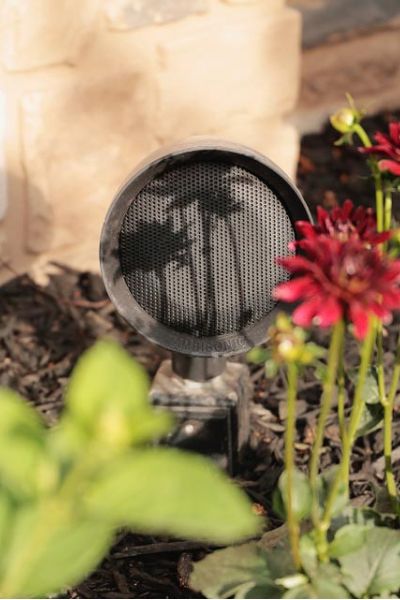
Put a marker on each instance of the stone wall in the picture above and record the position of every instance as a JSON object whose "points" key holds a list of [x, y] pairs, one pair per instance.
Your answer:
{"points": [[89, 88], [349, 46]]}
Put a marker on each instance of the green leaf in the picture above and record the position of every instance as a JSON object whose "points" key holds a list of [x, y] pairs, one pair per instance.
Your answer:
{"points": [[301, 496], [326, 583], [234, 572], [371, 419], [26, 468], [261, 591], [361, 516], [370, 389], [325, 481], [347, 539], [320, 370], [51, 550], [258, 355], [17, 416], [273, 538], [345, 139], [308, 553], [164, 490], [372, 415], [384, 503], [271, 369], [7, 515], [374, 568], [108, 396]]}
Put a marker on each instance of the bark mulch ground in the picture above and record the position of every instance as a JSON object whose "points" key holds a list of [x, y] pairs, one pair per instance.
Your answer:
{"points": [[44, 330]]}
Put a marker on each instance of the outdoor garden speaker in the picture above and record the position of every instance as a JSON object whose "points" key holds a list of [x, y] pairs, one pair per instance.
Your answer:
{"points": [[189, 247]]}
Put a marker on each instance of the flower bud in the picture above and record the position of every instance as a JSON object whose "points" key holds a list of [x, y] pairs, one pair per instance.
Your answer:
{"points": [[289, 343], [344, 120]]}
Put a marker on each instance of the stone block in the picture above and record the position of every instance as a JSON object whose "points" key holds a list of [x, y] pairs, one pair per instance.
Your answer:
{"points": [[231, 67], [326, 19], [3, 166], [123, 15], [79, 143], [241, 1], [273, 137], [331, 70], [272, 4], [84, 129], [38, 33]]}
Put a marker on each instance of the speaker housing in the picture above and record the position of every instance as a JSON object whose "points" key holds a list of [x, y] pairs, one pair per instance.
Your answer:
{"points": [[188, 257], [153, 169]]}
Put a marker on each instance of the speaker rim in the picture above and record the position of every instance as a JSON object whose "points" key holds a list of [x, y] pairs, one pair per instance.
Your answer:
{"points": [[116, 287]]}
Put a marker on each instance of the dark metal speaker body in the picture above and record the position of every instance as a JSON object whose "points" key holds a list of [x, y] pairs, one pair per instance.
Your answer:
{"points": [[188, 256], [189, 246]]}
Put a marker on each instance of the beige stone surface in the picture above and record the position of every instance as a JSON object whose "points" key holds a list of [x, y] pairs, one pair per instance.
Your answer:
{"points": [[36, 33], [366, 66], [218, 72], [123, 15], [86, 104], [76, 168]]}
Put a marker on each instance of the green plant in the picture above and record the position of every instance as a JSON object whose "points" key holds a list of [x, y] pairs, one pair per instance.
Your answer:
{"points": [[346, 279], [65, 491]]}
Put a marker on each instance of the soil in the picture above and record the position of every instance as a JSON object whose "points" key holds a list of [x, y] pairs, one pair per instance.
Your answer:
{"points": [[43, 330]]}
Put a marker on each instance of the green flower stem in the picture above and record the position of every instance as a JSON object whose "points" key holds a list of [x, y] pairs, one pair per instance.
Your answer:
{"points": [[326, 403], [341, 393], [379, 364], [379, 202], [387, 449], [388, 209], [387, 430], [362, 134], [380, 213], [290, 436], [342, 476]]}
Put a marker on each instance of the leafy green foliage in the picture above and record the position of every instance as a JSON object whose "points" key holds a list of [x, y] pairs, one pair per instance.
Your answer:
{"points": [[374, 567], [365, 563], [301, 495], [325, 481], [161, 489], [326, 583], [372, 416], [348, 539], [248, 571], [234, 572], [65, 491], [338, 551]]}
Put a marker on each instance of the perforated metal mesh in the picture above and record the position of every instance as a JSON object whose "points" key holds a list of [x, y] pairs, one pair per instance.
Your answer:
{"points": [[198, 248]]}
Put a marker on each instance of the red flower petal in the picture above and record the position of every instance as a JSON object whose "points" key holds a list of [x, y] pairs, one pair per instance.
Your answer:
{"points": [[322, 215], [347, 208], [360, 318], [329, 312], [389, 165], [296, 264], [305, 229], [304, 314], [394, 132], [379, 238], [295, 289]]}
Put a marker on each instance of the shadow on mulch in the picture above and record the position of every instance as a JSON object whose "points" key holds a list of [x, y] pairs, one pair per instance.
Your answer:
{"points": [[44, 330]]}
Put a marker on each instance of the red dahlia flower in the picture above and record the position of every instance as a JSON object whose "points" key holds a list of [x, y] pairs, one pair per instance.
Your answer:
{"points": [[387, 146], [344, 223], [335, 280]]}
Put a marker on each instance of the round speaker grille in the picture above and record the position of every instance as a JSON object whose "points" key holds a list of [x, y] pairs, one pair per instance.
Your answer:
{"points": [[198, 248]]}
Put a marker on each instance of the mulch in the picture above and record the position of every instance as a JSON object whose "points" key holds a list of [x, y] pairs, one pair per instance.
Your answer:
{"points": [[43, 330]]}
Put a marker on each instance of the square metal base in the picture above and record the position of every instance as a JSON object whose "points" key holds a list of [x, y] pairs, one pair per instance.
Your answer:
{"points": [[213, 417]]}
